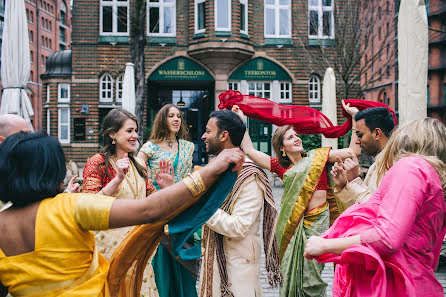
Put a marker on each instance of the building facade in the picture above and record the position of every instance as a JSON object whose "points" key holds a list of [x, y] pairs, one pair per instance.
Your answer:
{"points": [[195, 50], [49, 30], [379, 80]]}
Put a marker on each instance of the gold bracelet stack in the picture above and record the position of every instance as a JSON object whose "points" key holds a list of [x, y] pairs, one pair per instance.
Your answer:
{"points": [[195, 184]]}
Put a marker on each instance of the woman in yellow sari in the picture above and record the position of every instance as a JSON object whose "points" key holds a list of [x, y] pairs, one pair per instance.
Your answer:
{"points": [[46, 247]]}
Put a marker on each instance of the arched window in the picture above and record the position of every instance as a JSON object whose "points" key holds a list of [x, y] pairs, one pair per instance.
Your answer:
{"points": [[119, 82], [314, 90], [106, 88]]}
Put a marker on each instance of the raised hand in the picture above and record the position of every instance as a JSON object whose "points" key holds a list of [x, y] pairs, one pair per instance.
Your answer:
{"points": [[165, 176], [339, 174], [351, 166], [349, 109], [237, 110], [227, 156], [73, 187], [122, 167]]}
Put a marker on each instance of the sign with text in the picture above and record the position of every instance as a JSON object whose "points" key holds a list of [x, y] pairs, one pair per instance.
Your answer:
{"points": [[181, 68], [260, 69]]}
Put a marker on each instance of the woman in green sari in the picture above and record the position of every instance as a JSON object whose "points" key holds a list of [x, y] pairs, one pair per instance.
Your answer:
{"points": [[305, 209]]}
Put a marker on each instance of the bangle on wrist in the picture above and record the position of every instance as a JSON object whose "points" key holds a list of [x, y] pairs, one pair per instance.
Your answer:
{"points": [[195, 184]]}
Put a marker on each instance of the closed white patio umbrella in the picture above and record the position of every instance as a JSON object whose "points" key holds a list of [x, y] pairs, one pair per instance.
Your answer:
{"points": [[128, 88], [413, 42], [15, 62], [329, 104]]}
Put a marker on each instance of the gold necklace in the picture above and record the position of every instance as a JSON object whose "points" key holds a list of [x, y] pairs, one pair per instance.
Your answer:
{"points": [[170, 142]]}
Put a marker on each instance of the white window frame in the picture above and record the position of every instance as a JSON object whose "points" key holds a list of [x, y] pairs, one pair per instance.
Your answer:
{"points": [[102, 89], [277, 7], [244, 30], [234, 85], [196, 16], [162, 5], [283, 92], [48, 121], [255, 91], [61, 99], [320, 12], [216, 16], [314, 97], [119, 85], [60, 124], [47, 94], [114, 4]]}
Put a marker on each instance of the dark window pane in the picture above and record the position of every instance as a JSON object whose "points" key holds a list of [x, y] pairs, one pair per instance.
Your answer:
{"points": [[242, 17], [201, 16], [62, 17], [154, 19], [314, 22], [122, 19], [107, 19], [326, 2], [327, 23]]}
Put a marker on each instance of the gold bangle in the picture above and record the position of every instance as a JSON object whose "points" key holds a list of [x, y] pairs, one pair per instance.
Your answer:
{"points": [[191, 186], [196, 175]]}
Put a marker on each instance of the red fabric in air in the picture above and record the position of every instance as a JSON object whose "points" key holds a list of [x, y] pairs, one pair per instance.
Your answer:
{"points": [[304, 119]]}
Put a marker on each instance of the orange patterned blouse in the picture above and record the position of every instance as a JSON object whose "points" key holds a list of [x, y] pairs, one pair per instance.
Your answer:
{"points": [[95, 177]]}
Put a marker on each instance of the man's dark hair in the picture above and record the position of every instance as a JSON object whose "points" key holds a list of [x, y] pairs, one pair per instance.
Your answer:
{"points": [[377, 117], [32, 168], [231, 122]]}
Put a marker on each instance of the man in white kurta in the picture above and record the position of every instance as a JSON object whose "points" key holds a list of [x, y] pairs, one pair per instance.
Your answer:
{"points": [[239, 223]]}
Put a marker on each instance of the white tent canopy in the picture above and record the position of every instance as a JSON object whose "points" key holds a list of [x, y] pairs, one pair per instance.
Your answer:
{"points": [[329, 105], [413, 42], [15, 62], [128, 88]]}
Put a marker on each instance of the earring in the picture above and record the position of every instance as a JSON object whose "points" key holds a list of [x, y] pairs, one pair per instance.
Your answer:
{"points": [[113, 141], [283, 154]]}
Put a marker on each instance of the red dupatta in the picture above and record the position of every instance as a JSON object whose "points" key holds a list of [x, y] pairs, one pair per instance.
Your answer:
{"points": [[304, 119]]}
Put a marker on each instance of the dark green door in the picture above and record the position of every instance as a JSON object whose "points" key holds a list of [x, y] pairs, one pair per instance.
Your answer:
{"points": [[260, 133]]}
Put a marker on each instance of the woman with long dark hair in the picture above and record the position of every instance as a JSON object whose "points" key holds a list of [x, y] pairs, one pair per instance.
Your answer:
{"points": [[169, 141], [116, 172]]}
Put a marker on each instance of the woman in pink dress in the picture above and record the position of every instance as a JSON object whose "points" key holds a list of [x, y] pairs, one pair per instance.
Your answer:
{"points": [[390, 245]]}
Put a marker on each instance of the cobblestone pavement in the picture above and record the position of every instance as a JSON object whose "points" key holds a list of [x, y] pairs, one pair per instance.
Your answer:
{"points": [[327, 274]]}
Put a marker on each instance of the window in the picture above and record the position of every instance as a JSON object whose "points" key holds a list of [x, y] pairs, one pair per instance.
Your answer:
{"points": [[119, 82], [233, 86], [42, 60], [106, 88], [48, 121], [31, 17], [379, 13], [50, 26], [277, 18], [31, 75], [244, 16], [47, 94], [63, 13], [314, 90], [31, 36], [161, 17], [64, 125], [285, 92], [62, 35], [114, 17], [222, 15], [31, 56], [260, 89], [200, 16], [387, 28], [63, 93], [379, 33], [321, 20]]}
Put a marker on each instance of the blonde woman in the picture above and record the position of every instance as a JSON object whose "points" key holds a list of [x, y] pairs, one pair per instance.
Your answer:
{"points": [[390, 245]]}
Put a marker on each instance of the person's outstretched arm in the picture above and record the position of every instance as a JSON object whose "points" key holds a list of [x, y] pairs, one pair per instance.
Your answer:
{"points": [[160, 204], [353, 147], [262, 159]]}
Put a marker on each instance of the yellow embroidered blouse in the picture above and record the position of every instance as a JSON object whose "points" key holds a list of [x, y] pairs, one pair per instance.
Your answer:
{"points": [[64, 261]]}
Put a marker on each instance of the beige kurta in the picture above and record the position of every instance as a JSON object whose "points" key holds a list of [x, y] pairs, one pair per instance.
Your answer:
{"points": [[359, 190], [241, 242]]}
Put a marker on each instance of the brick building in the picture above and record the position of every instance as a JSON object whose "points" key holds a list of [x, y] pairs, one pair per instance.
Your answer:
{"points": [[380, 81], [195, 50], [49, 27]]}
